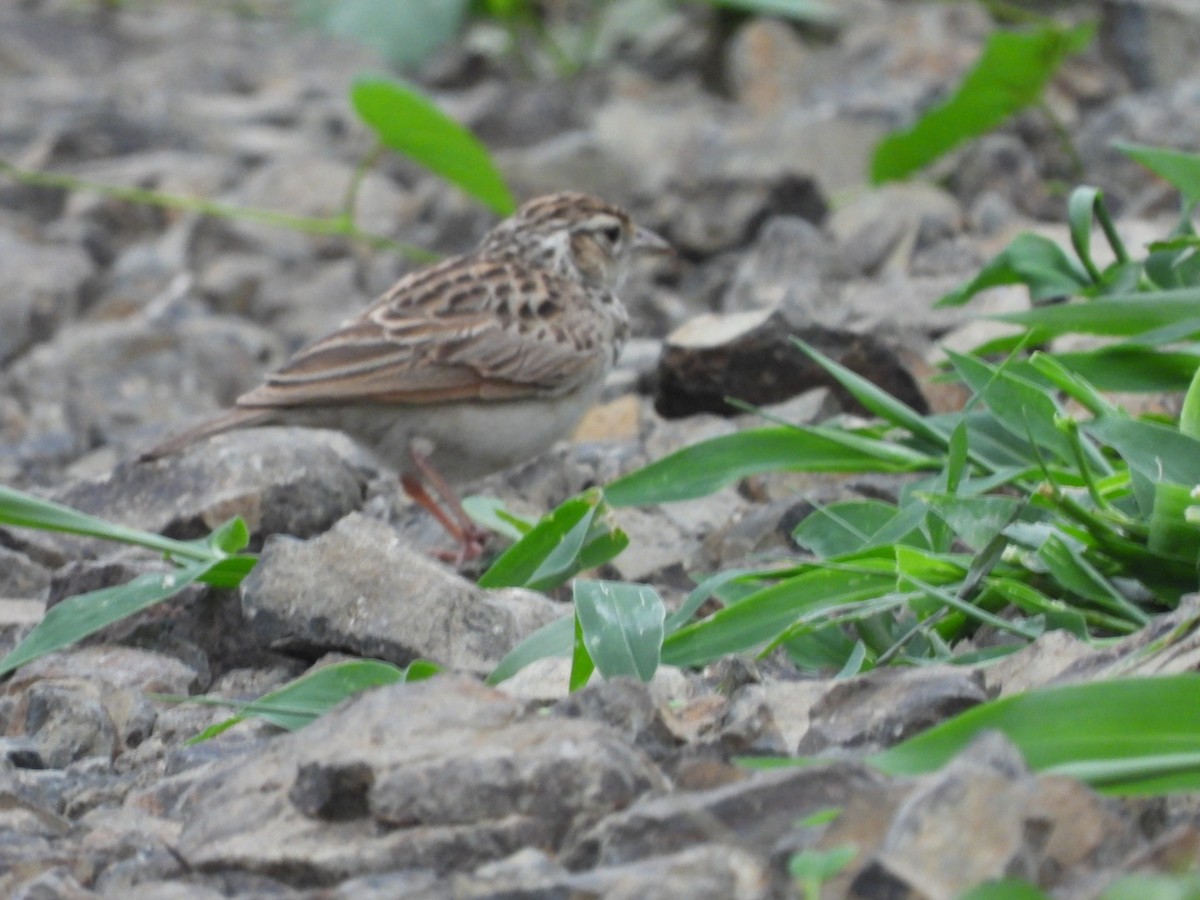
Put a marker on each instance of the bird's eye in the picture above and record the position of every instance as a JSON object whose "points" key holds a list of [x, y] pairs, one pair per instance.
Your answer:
{"points": [[611, 233]]}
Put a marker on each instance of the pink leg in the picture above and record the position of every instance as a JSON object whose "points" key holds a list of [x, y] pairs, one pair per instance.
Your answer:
{"points": [[449, 513]]}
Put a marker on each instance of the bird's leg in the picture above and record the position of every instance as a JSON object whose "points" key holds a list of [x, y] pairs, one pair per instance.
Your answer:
{"points": [[449, 513]]}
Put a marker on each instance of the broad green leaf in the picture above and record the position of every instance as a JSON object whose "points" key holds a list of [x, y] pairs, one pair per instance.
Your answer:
{"points": [[491, 513], [1005, 889], [575, 536], [404, 34], [77, 617], [300, 702], [1189, 416], [1071, 570], [876, 400], [1032, 260], [409, 123], [582, 665], [1170, 532], [1132, 367], [765, 614], [1115, 316], [708, 466], [1110, 724], [552, 639], [1154, 887], [1181, 169], [1010, 75], [976, 520], [1023, 407], [847, 527], [1158, 452], [622, 627], [28, 511], [1085, 206]]}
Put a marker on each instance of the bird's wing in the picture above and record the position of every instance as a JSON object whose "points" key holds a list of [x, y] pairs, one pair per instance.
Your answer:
{"points": [[465, 329]]}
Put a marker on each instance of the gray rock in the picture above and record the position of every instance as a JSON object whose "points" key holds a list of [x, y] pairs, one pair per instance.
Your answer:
{"points": [[704, 872], [44, 285], [289, 481], [360, 587], [1153, 41], [626, 706], [20, 576], [110, 381], [442, 774], [885, 706], [69, 722], [752, 357], [1020, 826], [753, 812]]}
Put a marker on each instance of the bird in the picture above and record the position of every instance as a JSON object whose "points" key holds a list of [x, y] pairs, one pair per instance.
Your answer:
{"points": [[470, 365]]}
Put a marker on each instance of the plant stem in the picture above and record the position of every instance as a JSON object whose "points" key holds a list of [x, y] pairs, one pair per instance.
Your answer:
{"points": [[336, 226]]}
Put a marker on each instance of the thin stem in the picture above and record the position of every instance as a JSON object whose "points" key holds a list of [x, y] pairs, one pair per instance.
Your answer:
{"points": [[360, 172], [1064, 138], [1110, 232], [337, 226]]}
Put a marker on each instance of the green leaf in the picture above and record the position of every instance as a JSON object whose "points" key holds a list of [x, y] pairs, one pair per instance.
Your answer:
{"points": [[1023, 407], [1011, 74], [582, 665], [552, 639], [1005, 889], [1158, 452], [706, 467], [575, 536], [849, 526], [1181, 169], [300, 702], [409, 123], [1133, 367], [876, 400], [27, 511], [491, 513], [976, 520], [812, 867], [1032, 260], [1118, 315], [767, 613], [622, 627], [1189, 416], [1140, 736], [404, 33], [1154, 887], [1170, 532], [77, 617]]}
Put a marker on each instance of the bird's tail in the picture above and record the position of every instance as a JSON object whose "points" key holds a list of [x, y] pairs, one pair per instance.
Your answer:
{"points": [[235, 418]]}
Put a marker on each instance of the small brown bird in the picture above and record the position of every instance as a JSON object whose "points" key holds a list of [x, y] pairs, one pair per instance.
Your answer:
{"points": [[470, 365]]}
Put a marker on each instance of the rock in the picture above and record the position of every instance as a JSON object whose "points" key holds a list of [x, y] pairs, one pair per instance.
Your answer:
{"points": [[1153, 41], [752, 357], [359, 587], [442, 774], [69, 722], [753, 812], [110, 381], [280, 481], [44, 290], [626, 706], [882, 230], [20, 576], [1020, 826], [791, 265], [885, 706]]}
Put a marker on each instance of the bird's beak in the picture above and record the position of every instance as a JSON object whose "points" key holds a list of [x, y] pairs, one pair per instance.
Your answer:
{"points": [[647, 242]]}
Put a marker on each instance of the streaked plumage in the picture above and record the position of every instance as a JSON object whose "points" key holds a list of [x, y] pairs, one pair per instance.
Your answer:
{"points": [[488, 357]]}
